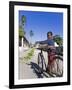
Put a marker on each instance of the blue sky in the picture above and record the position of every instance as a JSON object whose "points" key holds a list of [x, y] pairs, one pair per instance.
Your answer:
{"points": [[42, 22]]}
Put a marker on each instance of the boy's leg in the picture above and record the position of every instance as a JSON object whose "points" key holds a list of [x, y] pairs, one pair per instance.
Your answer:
{"points": [[51, 62], [48, 65]]}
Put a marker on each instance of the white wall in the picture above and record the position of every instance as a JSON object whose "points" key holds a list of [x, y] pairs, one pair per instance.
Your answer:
{"points": [[4, 44]]}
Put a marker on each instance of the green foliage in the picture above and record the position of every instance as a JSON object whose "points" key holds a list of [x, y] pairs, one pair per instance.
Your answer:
{"points": [[31, 33], [21, 26], [23, 19], [29, 54], [58, 40], [21, 32]]}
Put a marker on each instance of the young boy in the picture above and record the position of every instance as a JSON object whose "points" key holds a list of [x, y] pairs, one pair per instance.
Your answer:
{"points": [[51, 54]]}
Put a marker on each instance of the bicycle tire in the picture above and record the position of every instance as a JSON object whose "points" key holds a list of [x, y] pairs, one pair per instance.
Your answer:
{"points": [[40, 63], [58, 67]]}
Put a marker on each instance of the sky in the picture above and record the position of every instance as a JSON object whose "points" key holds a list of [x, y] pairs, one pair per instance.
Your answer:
{"points": [[42, 22]]}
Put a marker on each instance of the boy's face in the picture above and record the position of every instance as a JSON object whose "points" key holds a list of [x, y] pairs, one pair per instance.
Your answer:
{"points": [[50, 36]]}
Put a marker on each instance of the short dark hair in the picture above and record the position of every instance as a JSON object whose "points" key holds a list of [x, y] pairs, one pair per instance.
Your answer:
{"points": [[49, 33]]}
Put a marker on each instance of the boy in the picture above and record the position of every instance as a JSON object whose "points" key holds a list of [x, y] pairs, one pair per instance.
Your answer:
{"points": [[51, 54]]}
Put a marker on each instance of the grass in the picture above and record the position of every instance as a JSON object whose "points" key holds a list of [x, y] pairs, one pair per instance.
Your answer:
{"points": [[29, 55]]}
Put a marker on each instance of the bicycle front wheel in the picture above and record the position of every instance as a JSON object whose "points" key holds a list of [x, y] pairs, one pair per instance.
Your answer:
{"points": [[40, 63]]}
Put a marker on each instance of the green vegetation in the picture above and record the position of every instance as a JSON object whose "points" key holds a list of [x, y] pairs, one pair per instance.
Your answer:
{"points": [[29, 54], [21, 26], [23, 20], [31, 34], [21, 33], [58, 40]]}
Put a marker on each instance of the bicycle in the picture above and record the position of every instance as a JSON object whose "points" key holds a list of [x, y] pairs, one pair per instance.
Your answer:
{"points": [[58, 57]]}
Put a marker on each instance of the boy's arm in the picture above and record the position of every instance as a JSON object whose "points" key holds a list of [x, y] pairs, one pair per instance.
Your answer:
{"points": [[46, 46], [42, 42]]}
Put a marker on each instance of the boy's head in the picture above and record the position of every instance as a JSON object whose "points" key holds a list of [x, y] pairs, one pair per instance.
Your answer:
{"points": [[50, 35]]}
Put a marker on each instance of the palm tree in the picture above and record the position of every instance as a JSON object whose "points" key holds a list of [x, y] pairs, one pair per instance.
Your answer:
{"points": [[21, 26], [23, 20], [31, 34], [21, 29], [58, 40]]}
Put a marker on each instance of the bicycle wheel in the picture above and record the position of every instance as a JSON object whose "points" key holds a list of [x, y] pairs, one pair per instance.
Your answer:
{"points": [[40, 63], [57, 66]]}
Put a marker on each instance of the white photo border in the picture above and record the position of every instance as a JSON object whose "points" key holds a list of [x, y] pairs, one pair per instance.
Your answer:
{"points": [[40, 9]]}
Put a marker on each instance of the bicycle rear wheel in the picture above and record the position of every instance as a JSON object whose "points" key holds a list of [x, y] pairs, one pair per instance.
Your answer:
{"points": [[57, 66]]}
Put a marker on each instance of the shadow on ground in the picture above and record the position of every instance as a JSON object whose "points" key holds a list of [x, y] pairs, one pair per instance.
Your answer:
{"points": [[37, 69]]}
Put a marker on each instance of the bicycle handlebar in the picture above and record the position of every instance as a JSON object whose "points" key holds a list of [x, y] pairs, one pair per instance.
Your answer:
{"points": [[57, 51]]}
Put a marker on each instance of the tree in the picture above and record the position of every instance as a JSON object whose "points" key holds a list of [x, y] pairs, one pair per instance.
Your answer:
{"points": [[31, 33], [21, 32], [21, 26], [23, 20], [58, 40]]}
